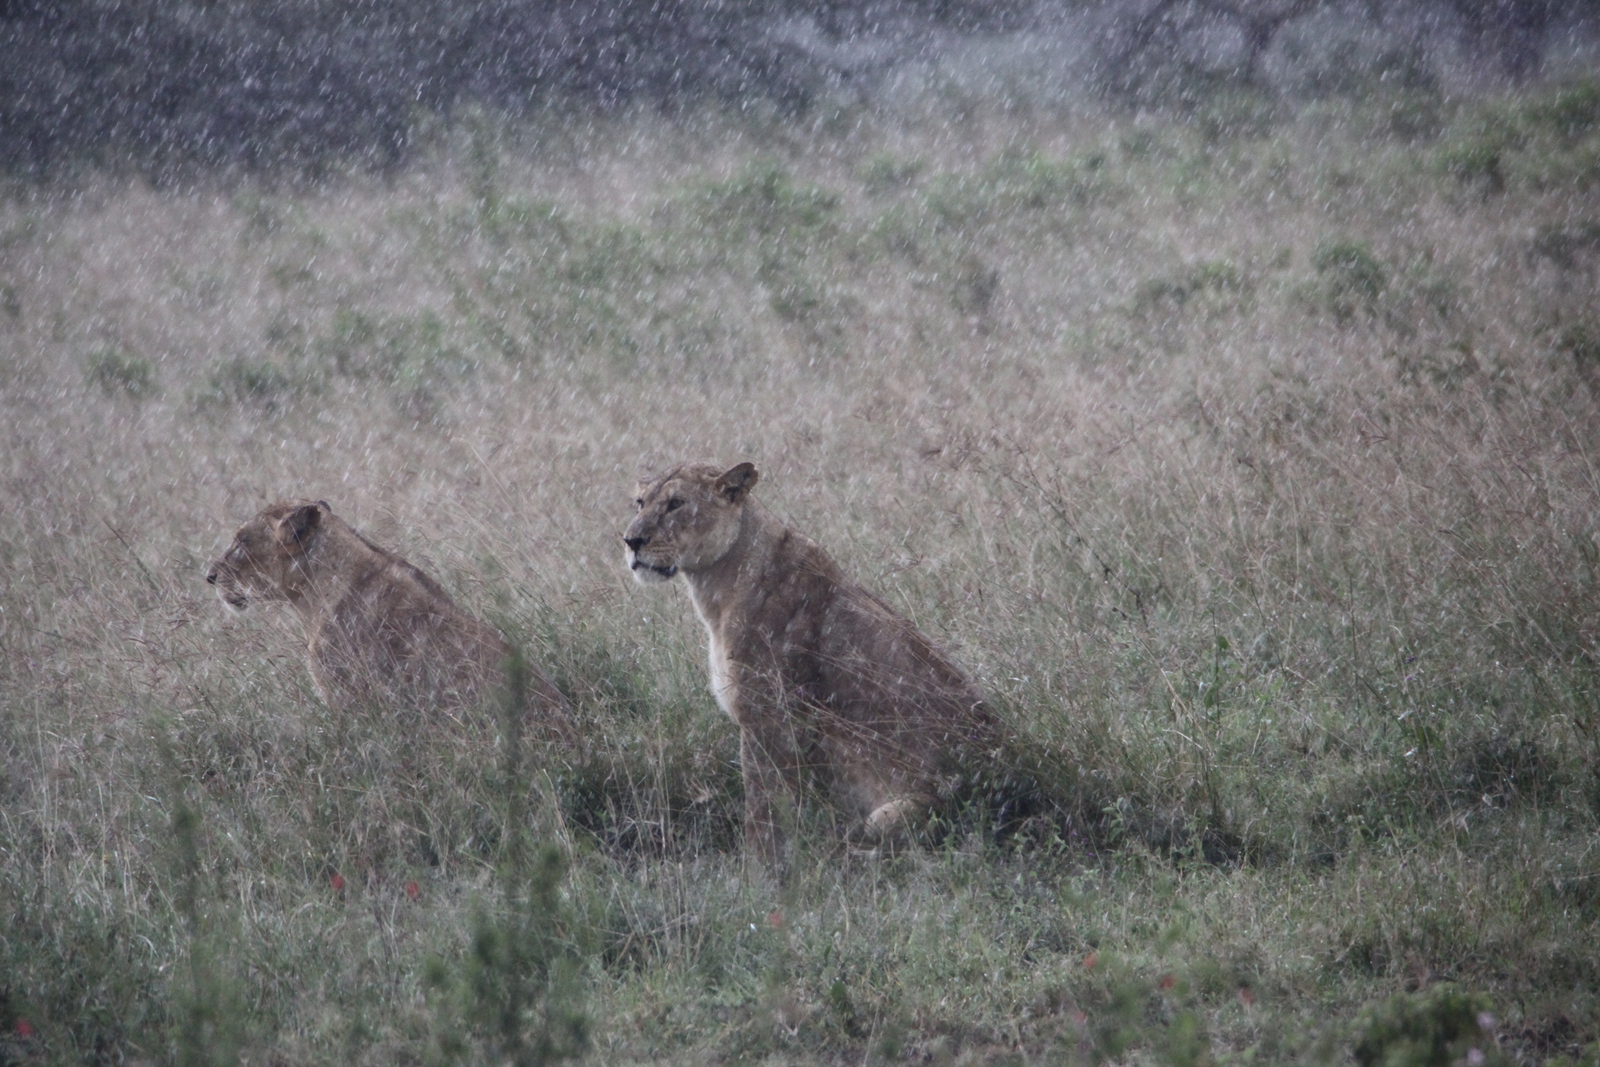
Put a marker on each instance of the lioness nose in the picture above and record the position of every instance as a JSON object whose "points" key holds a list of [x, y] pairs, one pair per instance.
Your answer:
{"points": [[211, 576], [636, 543]]}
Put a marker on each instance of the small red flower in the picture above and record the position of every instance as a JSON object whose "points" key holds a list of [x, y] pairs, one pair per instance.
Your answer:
{"points": [[1247, 995], [775, 920], [413, 890], [24, 1028], [337, 881], [1090, 960], [1167, 981]]}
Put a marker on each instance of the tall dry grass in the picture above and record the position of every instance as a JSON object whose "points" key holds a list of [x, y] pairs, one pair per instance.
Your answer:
{"points": [[1253, 479]]}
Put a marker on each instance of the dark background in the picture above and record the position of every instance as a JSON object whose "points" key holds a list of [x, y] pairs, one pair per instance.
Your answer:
{"points": [[168, 85]]}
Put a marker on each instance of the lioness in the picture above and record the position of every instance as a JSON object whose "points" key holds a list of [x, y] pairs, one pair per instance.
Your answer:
{"points": [[379, 629], [823, 678]]}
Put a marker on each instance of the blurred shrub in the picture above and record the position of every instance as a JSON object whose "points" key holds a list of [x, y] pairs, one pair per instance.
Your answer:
{"points": [[120, 373], [209, 1001], [1214, 276], [1581, 342], [794, 294], [411, 350], [786, 231], [263, 215], [554, 286], [883, 172], [1569, 111], [1016, 182], [518, 988], [1544, 139], [1565, 244], [1351, 278], [763, 199], [244, 381], [78, 976], [1036, 181], [1423, 292], [974, 285], [1439, 1027], [1476, 161], [1589, 1057]]}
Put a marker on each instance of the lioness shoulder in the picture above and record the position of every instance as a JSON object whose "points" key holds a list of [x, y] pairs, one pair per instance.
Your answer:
{"points": [[378, 629], [823, 678]]}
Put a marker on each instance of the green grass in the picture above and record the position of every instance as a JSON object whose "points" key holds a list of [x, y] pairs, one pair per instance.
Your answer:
{"points": [[1247, 465]]}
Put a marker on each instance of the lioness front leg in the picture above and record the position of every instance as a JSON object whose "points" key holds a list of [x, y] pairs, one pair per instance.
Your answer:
{"points": [[769, 763]]}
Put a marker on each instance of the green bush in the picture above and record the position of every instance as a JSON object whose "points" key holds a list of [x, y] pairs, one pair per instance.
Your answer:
{"points": [[1352, 279], [557, 286], [208, 1003], [79, 977], [245, 381], [1477, 161], [518, 989], [1543, 140], [884, 172], [763, 199], [1570, 111], [1016, 182], [1440, 1027], [120, 373], [409, 350], [1589, 1057]]}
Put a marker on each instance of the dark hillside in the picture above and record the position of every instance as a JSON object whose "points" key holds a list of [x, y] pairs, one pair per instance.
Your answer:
{"points": [[297, 81], [169, 86]]}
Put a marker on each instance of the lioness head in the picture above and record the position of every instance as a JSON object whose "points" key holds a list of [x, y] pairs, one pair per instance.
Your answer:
{"points": [[688, 519], [258, 564]]}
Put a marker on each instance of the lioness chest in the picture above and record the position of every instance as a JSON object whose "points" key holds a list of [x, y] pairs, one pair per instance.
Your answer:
{"points": [[724, 685], [758, 648]]}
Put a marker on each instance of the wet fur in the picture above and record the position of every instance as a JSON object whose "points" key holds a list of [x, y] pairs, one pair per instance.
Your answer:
{"points": [[379, 631], [827, 683]]}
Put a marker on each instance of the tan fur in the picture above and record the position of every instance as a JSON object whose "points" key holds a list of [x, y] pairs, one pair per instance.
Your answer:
{"points": [[824, 679], [379, 630]]}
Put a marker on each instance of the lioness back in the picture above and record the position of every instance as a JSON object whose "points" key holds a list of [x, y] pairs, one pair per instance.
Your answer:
{"points": [[825, 681], [379, 630]]}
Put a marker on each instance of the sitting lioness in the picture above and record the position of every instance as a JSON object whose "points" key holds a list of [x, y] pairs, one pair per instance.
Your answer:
{"points": [[380, 631], [824, 679]]}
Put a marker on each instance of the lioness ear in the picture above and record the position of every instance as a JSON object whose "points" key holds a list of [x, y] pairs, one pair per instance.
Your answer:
{"points": [[295, 528], [736, 482]]}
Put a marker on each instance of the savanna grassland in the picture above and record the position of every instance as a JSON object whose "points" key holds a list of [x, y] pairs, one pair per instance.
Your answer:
{"points": [[1249, 460]]}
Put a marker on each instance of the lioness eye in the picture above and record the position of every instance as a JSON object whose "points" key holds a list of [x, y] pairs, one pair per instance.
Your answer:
{"points": [[674, 504], [639, 503]]}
